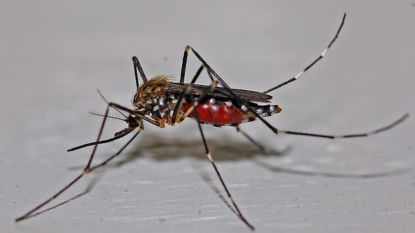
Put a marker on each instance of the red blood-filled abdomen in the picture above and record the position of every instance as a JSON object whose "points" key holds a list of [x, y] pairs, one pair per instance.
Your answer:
{"points": [[218, 114]]}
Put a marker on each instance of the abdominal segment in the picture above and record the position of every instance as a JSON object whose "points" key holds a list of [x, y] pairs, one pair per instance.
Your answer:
{"points": [[220, 113]]}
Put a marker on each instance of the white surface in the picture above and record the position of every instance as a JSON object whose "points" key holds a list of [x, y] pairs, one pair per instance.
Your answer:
{"points": [[55, 55]]}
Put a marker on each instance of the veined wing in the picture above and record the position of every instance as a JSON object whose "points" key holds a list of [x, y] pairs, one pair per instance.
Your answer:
{"points": [[219, 92]]}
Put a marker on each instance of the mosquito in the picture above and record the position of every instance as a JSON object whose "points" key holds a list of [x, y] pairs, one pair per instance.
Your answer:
{"points": [[161, 102]]}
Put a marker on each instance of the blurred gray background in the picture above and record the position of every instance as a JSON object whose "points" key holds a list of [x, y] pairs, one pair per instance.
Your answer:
{"points": [[54, 55]]}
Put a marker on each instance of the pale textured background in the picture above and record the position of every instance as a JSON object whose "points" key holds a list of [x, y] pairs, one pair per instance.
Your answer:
{"points": [[56, 54]]}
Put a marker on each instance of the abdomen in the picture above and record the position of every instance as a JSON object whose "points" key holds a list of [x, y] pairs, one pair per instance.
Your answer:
{"points": [[219, 113]]}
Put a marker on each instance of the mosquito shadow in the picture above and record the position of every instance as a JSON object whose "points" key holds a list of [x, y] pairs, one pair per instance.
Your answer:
{"points": [[225, 149], [162, 149], [206, 178], [91, 185], [328, 174]]}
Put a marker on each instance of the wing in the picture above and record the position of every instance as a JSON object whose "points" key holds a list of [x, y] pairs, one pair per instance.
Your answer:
{"points": [[219, 92]]}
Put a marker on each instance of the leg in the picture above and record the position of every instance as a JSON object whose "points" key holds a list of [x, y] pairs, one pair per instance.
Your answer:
{"points": [[116, 154], [264, 149], [197, 74], [86, 170], [275, 130], [137, 66], [183, 70], [209, 156], [313, 63]]}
